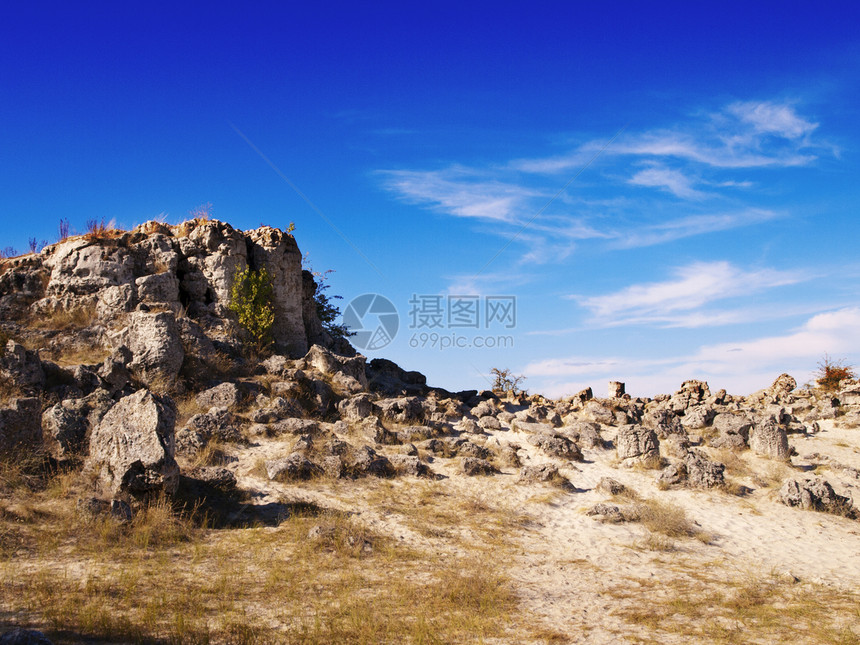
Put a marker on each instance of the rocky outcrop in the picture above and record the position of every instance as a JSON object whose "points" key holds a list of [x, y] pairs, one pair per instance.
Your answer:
{"points": [[132, 448]]}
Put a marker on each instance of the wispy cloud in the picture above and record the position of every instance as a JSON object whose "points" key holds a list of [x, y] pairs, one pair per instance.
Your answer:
{"points": [[693, 161], [673, 181], [460, 192], [692, 287], [676, 229]]}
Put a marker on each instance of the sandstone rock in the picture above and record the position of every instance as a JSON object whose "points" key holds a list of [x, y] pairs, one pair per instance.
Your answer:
{"points": [[665, 423], [20, 425], [224, 395], [636, 444], [616, 389], [158, 288], [769, 440], [21, 367], [473, 466], [489, 423], [331, 364], [539, 473], [610, 486], [115, 300], [355, 408], [295, 466], [407, 409], [64, 431], [698, 417], [606, 513], [585, 434], [132, 448], [365, 461], [692, 393], [556, 446], [114, 371], [702, 472], [218, 423], [672, 474], [409, 465], [815, 494], [596, 412], [729, 423]]}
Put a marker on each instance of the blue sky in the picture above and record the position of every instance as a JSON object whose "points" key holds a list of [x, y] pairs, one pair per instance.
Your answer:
{"points": [[668, 191]]}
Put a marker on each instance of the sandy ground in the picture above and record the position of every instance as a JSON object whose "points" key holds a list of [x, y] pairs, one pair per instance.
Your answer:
{"points": [[566, 564]]}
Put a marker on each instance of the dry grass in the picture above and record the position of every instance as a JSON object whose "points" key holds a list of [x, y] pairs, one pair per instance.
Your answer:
{"points": [[315, 578], [99, 231], [699, 606], [66, 319], [664, 522]]}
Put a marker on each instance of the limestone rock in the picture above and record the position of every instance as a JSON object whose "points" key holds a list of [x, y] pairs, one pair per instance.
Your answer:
{"points": [[539, 473], [473, 466], [556, 446], [635, 443], [409, 465], [610, 486], [768, 439], [132, 449], [815, 494], [330, 364], [21, 367], [295, 466], [355, 408], [224, 395], [156, 347], [702, 472]]}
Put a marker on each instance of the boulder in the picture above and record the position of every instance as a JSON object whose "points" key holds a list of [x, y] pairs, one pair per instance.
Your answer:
{"points": [[132, 448], [330, 364], [702, 472], [539, 473], [224, 395], [24, 637], [636, 444], [768, 439], [489, 423], [295, 466], [355, 408], [814, 494], [218, 423], [610, 486], [473, 466], [556, 446], [409, 465], [20, 366]]}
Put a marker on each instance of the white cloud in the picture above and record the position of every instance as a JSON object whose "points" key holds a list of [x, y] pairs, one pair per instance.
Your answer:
{"points": [[668, 179], [692, 287], [772, 118], [740, 367]]}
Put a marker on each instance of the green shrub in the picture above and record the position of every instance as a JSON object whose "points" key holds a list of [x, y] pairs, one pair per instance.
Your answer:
{"points": [[251, 298]]}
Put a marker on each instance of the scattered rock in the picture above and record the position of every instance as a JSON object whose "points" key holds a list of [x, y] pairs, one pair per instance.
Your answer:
{"points": [[132, 449], [814, 494], [295, 466], [768, 439], [473, 466], [636, 444]]}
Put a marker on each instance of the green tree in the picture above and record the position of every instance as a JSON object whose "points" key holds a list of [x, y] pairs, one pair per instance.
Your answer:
{"points": [[251, 298]]}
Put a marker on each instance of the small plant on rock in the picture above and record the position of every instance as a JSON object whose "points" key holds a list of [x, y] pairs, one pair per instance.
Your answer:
{"points": [[252, 300], [505, 382]]}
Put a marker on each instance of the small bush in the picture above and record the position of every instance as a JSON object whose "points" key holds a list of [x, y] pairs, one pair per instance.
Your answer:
{"points": [[63, 230], [505, 382], [252, 300], [831, 372]]}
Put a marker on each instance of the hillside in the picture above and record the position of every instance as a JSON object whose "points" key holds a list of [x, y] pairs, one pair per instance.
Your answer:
{"points": [[166, 477]]}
